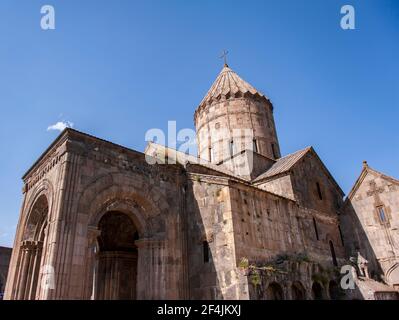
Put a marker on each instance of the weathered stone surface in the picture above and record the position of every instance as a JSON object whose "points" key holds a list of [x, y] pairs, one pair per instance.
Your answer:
{"points": [[370, 224]]}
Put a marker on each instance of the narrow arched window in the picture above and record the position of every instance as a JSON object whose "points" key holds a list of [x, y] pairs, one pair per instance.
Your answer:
{"points": [[334, 257], [255, 145], [274, 151], [341, 235], [205, 248], [210, 154], [231, 148], [319, 191], [315, 229], [381, 214]]}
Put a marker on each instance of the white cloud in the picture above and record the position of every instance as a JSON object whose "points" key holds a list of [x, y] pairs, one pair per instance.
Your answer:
{"points": [[60, 126]]}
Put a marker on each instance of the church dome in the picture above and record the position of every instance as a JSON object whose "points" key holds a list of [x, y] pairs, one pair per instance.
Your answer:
{"points": [[229, 84], [233, 117]]}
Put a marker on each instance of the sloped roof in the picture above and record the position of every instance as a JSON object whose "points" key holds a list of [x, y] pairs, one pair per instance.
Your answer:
{"points": [[283, 164], [160, 151], [229, 83]]}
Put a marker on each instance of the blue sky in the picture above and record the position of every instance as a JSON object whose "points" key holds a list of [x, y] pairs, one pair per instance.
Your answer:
{"points": [[118, 68]]}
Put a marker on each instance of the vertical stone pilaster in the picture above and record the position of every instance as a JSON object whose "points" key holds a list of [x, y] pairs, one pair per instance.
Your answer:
{"points": [[28, 273], [23, 275], [62, 229], [35, 271], [91, 264], [151, 272]]}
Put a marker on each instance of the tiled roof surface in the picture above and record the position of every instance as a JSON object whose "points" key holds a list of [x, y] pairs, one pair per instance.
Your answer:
{"points": [[283, 164], [229, 83]]}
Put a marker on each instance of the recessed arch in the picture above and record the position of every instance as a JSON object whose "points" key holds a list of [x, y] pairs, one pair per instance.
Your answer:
{"points": [[298, 291], [317, 291], [31, 247], [43, 188], [146, 201], [274, 292], [393, 275], [36, 220], [125, 206], [117, 258]]}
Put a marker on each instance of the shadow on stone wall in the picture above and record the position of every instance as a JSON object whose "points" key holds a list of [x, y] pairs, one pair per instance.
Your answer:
{"points": [[356, 240], [203, 278]]}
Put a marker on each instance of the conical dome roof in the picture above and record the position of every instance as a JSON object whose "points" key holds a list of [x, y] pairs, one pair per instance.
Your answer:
{"points": [[229, 83]]}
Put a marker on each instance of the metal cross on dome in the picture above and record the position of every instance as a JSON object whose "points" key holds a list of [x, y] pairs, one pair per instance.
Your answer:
{"points": [[224, 56]]}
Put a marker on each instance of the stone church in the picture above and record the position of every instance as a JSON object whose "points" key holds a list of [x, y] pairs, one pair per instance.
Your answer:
{"points": [[239, 221]]}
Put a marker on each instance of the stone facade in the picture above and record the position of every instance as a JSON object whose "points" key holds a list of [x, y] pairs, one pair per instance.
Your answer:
{"points": [[100, 221], [370, 225], [5, 256]]}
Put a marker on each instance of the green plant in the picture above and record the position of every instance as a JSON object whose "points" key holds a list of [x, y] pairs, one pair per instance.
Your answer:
{"points": [[244, 263], [255, 278]]}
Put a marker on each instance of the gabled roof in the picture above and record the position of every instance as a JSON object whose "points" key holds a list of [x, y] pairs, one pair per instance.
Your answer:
{"points": [[229, 83], [283, 164], [366, 169]]}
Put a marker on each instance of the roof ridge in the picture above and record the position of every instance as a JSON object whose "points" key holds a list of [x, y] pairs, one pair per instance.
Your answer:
{"points": [[366, 168], [283, 164], [292, 153], [383, 174]]}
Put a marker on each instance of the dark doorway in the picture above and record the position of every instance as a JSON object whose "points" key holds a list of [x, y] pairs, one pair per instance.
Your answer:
{"points": [[117, 258]]}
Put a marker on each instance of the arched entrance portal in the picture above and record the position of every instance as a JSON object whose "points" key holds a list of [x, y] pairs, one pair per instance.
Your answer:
{"points": [[27, 282], [117, 258]]}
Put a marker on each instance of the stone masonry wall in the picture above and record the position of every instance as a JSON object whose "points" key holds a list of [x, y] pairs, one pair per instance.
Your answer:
{"points": [[237, 113], [377, 240]]}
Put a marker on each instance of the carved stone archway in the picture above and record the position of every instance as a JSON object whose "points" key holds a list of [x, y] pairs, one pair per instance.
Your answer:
{"points": [[27, 280], [393, 276], [147, 259]]}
